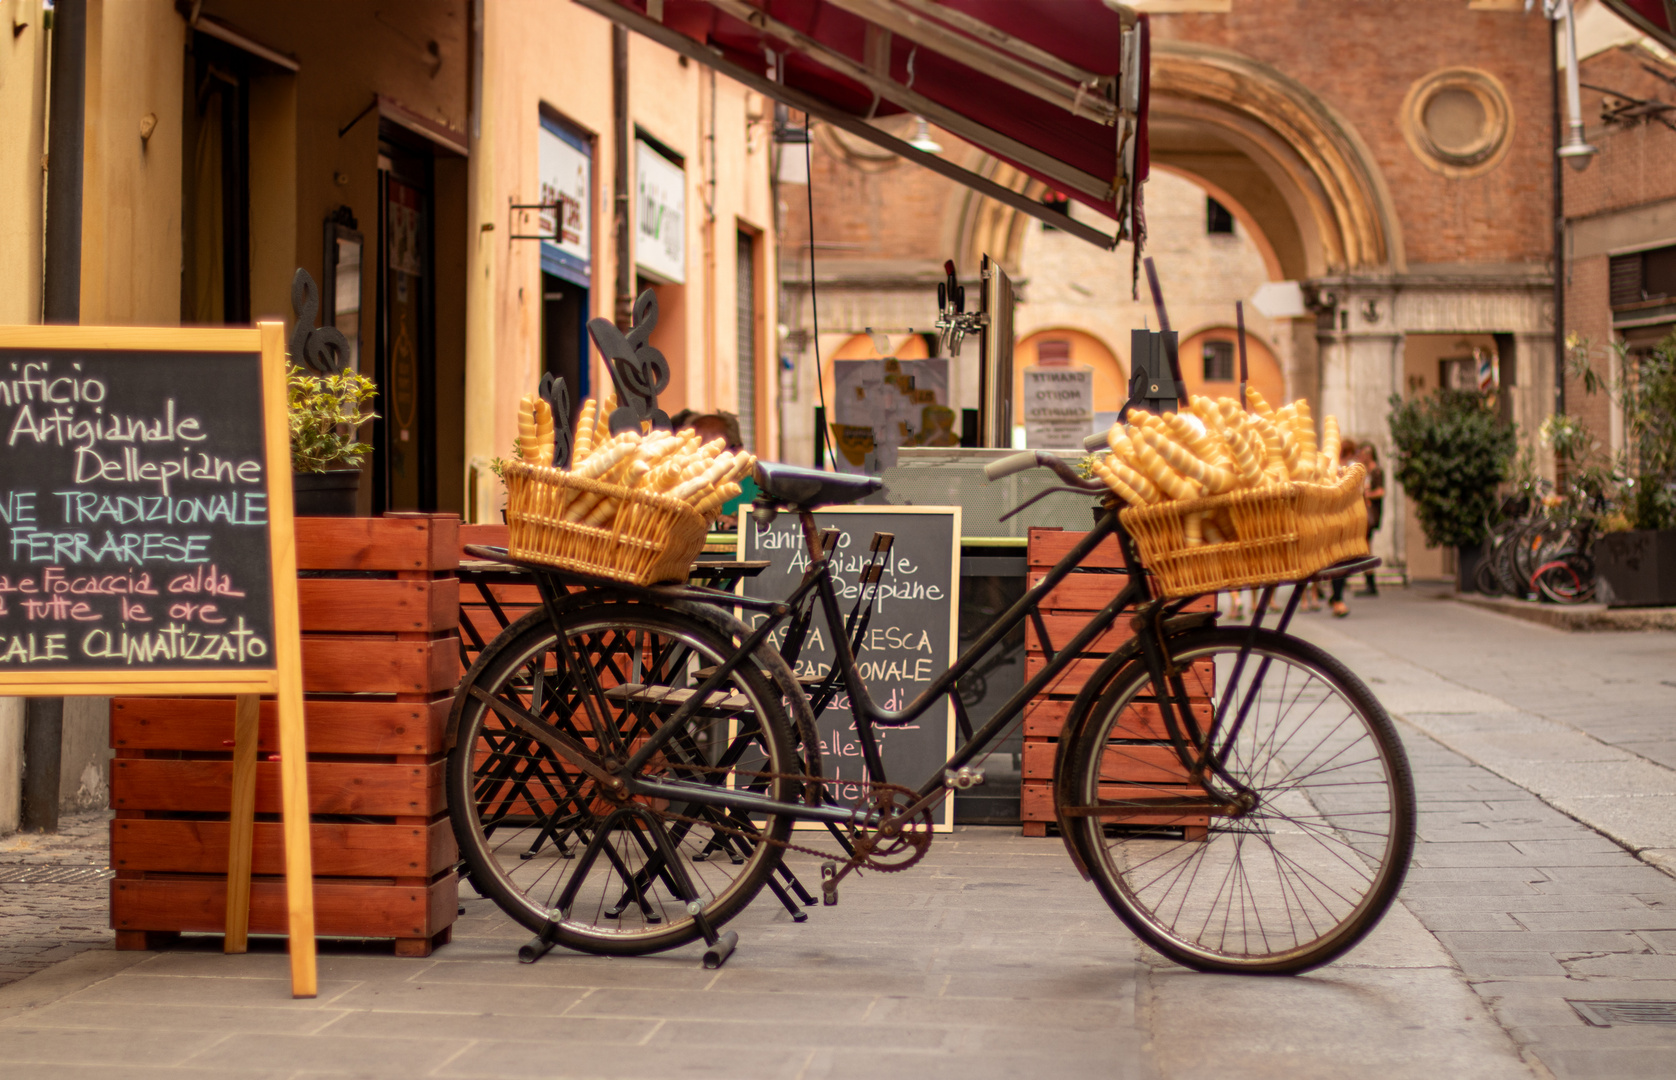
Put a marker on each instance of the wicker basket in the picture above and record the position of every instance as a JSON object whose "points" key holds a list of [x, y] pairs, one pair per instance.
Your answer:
{"points": [[1282, 533], [653, 537]]}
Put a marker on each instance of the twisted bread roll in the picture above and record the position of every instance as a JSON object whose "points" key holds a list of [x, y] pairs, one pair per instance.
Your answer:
{"points": [[1190, 431], [1213, 479], [1155, 468], [584, 444]]}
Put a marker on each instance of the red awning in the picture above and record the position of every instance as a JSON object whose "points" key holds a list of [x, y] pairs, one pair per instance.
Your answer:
{"points": [[1655, 17], [1057, 90]]}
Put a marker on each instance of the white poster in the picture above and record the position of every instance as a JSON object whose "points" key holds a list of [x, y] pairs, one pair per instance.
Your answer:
{"points": [[1058, 406], [660, 238], [883, 405], [568, 172]]}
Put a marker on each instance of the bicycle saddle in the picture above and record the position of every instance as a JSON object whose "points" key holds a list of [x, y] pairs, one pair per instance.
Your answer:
{"points": [[806, 489]]}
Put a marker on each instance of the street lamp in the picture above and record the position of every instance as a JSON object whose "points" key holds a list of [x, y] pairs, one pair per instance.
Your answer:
{"points": [[922, 140], [1575, 152]]}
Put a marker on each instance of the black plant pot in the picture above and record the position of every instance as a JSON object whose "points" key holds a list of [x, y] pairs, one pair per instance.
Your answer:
{"points": [[1467, 558], [1637, 568], [325, 494]]}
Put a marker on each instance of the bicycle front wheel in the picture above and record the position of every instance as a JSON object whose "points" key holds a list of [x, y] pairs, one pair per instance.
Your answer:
{"points": [[554, 848], [1298, 878]]}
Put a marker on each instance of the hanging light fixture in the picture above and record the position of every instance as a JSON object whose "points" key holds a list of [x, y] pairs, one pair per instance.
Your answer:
{"points": [[1576, 151], [922, 140]]}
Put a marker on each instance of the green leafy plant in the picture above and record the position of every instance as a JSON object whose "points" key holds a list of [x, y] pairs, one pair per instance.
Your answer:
{"points": [[325, 412], [1644, 388], [1452, 452]]}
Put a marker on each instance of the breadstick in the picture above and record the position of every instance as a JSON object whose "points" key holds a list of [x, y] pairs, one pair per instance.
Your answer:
{"points": [[1140, 485], [1191, 433], [1213, 535], [584, 434], [1329, 447], [1274, 448], [1248, 455], [1104, 471], [1194, 526], [1212, 478], [607, 456], [1259, 405], [709, 477], [1156, 469]]}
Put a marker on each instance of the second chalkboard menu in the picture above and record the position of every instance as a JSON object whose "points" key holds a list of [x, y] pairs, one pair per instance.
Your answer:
{"points": [[911, 640]]}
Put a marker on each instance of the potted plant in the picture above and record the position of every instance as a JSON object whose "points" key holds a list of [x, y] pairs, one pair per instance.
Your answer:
{"points": [[326, 411], [1637, 565], [1452, 452]]}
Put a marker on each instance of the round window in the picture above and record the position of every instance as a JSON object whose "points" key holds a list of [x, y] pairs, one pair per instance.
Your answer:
{"points": [[1458, 121]]}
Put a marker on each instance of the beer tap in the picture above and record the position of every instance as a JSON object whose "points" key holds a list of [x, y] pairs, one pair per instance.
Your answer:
{"points": [[954, 322]]}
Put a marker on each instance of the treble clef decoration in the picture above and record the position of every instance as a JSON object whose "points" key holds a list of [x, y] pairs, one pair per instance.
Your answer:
{"points": [[554, 391], [638, 370], [322, 349]]}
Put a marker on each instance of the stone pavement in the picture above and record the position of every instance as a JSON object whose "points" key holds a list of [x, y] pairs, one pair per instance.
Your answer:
{"points": [[1544, 765], [993, 957], [43, 918]]}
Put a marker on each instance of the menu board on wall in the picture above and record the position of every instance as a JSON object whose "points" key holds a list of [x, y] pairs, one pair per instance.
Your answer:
{"points": [[910, 641]]}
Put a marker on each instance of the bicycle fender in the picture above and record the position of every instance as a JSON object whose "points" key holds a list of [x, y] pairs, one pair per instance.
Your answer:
{"points": [[1070, 734]]}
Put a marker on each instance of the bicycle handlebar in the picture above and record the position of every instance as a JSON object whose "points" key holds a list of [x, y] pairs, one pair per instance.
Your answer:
{"points": [[1030, 459], [1012, 463]]}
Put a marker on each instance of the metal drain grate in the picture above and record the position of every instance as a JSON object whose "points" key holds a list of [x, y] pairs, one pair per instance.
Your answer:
{"points": [[54, 875], [1607, 1013]]}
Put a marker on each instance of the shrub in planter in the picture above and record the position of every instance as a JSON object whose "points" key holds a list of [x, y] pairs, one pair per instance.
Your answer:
{"points": [[1452, 451], [1639, 564], [326, 410]]}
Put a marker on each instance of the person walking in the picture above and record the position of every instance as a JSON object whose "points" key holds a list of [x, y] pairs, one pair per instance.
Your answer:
{"points": [[1349, 451], [1374, 492]]}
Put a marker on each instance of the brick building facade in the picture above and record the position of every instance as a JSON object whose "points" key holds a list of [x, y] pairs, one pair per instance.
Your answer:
{"points": [[1621, 219]]}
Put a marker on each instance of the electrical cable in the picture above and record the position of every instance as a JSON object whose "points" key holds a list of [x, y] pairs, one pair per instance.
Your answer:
{"points": [[814, 308]]}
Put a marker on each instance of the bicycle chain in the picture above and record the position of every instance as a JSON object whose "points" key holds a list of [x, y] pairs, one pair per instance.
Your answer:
{"points": [[866, 842]]}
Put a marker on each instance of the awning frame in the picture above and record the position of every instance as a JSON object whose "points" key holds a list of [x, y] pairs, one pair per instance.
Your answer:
{"points": [[983, 137]]}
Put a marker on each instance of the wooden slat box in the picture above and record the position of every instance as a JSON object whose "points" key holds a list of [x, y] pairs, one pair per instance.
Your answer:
{"points": [[1144, 755], [380, 616]]}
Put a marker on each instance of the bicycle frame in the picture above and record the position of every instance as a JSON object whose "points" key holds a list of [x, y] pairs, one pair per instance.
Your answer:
{"points": [[867, 712]]}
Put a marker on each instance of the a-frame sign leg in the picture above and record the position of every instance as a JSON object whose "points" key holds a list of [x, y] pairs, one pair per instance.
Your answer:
{"points": [[299, 859], [242, 821]]}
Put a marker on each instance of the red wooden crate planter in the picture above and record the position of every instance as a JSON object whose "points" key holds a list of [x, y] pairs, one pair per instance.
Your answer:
{"points": [[1140, 753], [380, 615]]}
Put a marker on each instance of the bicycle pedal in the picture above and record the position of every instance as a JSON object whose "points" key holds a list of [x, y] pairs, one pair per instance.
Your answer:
{"points": [[829, 884]]}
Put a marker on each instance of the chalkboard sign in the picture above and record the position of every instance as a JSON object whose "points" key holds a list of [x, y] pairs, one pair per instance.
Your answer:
{"points": [[146, 547], [136, 502], [911, 640]]}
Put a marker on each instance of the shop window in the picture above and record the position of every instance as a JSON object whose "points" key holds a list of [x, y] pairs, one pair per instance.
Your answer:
{"points": [[1053, 352], [1643, 276], [1219, 220], [1219, 361]]}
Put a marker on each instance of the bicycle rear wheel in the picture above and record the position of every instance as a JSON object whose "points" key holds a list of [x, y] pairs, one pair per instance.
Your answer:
{"points": [[1299, 878], [548, 843], [1567, 579]]}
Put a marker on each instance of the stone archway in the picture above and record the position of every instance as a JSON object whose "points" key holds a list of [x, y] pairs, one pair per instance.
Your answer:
{"points": [[1240, 127]]}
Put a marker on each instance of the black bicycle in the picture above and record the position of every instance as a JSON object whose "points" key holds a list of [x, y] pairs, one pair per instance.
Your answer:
{"points": [[628, 763]]}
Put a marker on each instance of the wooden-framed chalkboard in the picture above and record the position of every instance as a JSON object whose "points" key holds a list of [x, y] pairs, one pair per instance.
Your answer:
{"points": [[912, 639], [147, 546]]}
